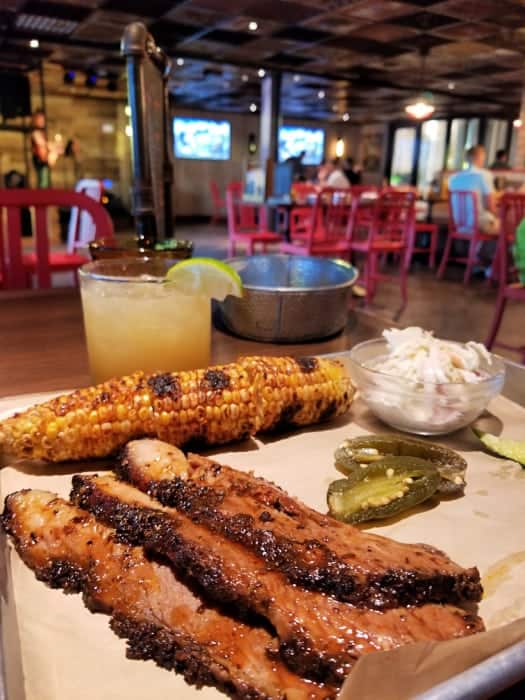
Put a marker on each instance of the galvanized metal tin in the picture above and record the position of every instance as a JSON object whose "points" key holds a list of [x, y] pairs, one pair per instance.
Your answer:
{"points": [[289, 298]]}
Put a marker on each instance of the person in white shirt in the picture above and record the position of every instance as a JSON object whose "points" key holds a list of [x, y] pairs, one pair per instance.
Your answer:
{"points": [[479, 180], [332, 175]]}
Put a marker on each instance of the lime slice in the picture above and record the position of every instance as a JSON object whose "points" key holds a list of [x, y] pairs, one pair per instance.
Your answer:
{"points": [[503, 447], [207, 276]]}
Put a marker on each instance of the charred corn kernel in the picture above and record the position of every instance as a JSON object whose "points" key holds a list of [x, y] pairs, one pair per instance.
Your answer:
{"points": [[213, 405], [300, 391]]}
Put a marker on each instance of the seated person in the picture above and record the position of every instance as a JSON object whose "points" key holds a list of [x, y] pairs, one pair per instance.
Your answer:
{"points": [[479, 180], [502, 160], [332, 175]]}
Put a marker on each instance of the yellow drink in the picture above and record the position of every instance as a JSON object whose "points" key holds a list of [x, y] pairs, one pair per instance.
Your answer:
{"points": [[135, 321]]}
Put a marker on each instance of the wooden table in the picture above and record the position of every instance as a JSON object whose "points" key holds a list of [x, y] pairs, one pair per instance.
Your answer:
{"points": [[42, 345]]}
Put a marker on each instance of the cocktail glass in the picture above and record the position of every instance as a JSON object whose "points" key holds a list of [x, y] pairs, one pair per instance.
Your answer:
{"points": [[135, 320]]}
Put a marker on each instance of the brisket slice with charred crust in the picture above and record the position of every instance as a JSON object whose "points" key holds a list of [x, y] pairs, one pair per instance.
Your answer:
{"points": [[158, 615], [320, 636], [313, 550]]}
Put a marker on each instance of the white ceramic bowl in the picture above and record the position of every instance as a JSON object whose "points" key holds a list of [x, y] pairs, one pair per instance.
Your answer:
{"points": [[423, 408]]}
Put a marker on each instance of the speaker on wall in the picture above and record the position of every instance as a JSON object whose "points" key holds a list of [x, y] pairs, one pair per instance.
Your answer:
{"points": [[15, 95]]}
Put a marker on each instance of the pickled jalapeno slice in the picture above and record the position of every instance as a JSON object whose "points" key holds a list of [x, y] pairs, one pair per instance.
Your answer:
{"points": [[352, 454], [382, 489]]}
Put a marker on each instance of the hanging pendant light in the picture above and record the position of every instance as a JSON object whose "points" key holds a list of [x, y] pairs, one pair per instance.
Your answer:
{"points": [[423, 106]]}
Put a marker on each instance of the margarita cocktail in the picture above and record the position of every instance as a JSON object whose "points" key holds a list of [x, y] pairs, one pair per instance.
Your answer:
{"points": [[135, 319]]}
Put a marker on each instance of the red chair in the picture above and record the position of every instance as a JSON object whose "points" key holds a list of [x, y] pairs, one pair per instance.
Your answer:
{"points": [[326, 232], [20, 267], [387, 228], [463, 225], [300, 214], [246, 223], [432, 231], [512, 212], [217, 201]]}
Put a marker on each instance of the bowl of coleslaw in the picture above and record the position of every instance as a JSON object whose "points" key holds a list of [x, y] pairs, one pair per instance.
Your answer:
{"points": [[420, 384]]}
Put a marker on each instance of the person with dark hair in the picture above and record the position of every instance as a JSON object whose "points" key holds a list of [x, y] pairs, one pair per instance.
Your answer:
{"points": [[502, 160], [352, 172], [297, 166], [45, 154], [479, 180]]}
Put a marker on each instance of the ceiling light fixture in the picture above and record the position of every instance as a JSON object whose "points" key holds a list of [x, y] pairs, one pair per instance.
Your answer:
{"points": [[422, 107], [296, 78], [253, 107], [517, 123], [451, 86], [321, 94], [345, 117], [253, 26], [180, 61], [261, 72], [34, 44]]}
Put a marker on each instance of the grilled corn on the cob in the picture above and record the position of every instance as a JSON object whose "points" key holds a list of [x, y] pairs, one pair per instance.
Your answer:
{"points": [[215, 405], [300, 391]]}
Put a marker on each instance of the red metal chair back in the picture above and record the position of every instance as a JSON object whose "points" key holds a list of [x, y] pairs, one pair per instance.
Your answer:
{"points": [[328, 222], [13, 200], [396, 214], [462, 212], [242, 217], [359, 190], [389, 219], [512, 213]]}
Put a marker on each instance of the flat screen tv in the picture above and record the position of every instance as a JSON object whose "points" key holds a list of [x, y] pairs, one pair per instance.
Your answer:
{"points": [[201, 139], [294, 139]]}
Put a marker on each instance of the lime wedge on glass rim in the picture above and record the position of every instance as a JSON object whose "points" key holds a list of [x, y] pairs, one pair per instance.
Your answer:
{"points": [[207, 276]]}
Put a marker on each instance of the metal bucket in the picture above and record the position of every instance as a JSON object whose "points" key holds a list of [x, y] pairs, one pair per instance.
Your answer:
{"points": [[289, 298]]}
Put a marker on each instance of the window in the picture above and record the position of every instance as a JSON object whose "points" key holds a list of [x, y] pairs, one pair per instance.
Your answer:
{"points": [[456, 146], [403, 156], [431, 153], [495, 138]]}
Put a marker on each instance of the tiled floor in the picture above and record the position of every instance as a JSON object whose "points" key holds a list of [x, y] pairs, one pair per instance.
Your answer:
{"points": [[448, 307]]}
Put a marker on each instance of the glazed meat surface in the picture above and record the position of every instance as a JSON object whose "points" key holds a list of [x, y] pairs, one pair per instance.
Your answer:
{"points": [[312, 550], [320, 636], [159, 616]]}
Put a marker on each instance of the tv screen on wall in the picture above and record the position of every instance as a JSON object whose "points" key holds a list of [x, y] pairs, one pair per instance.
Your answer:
{"points": [[294, 139], [201, 139]]}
